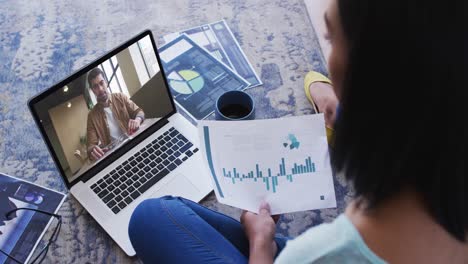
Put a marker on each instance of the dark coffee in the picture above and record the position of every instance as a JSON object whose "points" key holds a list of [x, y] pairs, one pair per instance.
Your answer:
{"points": [[235, 111]]}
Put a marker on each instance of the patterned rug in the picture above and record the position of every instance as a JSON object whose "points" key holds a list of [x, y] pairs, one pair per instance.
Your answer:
{"points": [[44, 41]]}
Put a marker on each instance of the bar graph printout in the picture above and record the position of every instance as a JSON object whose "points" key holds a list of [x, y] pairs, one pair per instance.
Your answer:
{"points": [[284, 162]]}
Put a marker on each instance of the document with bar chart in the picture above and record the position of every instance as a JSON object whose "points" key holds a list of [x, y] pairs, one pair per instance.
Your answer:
{"points": [[284, 162]]}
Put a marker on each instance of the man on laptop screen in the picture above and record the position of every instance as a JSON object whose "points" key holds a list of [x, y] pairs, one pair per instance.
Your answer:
{"points": [[111, 118], [95, 114]]}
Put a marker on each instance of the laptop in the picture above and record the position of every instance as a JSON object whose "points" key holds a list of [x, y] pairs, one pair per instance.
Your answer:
{"points": [[116, 137]]}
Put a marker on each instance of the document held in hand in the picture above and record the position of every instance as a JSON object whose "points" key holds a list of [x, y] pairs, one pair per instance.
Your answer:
{"points": [[284, 162]]}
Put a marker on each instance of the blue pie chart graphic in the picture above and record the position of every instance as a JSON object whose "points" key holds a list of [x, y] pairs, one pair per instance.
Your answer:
{"points": [[186, 81]]}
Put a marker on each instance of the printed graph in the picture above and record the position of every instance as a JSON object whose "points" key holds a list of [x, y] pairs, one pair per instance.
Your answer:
{"points": [[279, 161], [271, 179], [186, 81], [265, 175]]}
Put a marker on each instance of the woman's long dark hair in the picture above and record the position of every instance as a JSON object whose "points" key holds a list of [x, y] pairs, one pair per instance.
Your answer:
{"points": [[403, 114]]}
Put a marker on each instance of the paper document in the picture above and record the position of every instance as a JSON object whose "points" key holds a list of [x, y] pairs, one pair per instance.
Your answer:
{"points": [[218, 39], [21, 232], [195, 77], [284, 162]]}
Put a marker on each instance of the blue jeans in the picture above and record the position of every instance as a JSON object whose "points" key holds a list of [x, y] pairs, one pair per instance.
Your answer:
{"points": [[176, 230]]}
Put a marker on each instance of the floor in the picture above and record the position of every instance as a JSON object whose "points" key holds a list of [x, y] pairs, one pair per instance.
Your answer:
{"points": [[316, 10]]}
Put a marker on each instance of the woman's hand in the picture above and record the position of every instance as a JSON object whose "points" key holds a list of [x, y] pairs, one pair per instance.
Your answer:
{"points": [[260, 230]]}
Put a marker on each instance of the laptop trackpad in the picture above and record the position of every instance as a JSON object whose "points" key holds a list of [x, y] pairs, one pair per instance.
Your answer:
{"points": [[179, 186]]}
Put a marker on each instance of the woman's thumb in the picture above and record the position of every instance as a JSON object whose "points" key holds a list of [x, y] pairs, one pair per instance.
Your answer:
{"points": [[264, 208]]}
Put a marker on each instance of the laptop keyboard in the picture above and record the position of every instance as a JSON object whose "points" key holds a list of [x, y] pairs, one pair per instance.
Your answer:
{"points": [[141, 171]]}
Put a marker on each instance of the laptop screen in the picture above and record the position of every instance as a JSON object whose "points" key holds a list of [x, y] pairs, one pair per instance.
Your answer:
{"points": [[104, 107]]}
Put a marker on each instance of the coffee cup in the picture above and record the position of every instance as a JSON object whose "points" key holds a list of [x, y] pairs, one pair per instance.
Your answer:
{"points": [[235, 105]]}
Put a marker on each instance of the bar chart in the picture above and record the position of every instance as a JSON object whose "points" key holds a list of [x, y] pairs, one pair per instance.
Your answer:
{"points": [[281, 161], [269, 178]]}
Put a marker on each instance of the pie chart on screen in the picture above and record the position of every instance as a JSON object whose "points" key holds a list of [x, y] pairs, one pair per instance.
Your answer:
{"points": [[186, 81]]}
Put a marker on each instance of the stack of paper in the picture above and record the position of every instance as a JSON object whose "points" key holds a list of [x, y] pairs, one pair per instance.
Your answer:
{"points": [[21, 232], [202, 63]]}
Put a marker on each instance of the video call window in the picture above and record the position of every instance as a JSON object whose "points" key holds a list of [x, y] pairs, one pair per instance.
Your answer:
{"points": [[101, 110]]}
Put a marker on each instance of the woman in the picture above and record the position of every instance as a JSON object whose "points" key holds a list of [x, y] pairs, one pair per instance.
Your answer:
{"points": [[399, 71]]}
